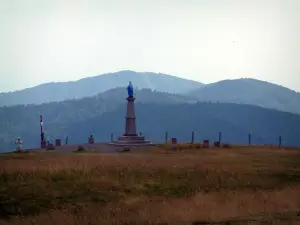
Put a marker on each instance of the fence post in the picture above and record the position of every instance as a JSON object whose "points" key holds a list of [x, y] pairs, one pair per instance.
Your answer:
{"points": [[112, 137], [166, 137], [220, 137], [193, 137], [249, 139], [279, 144]]}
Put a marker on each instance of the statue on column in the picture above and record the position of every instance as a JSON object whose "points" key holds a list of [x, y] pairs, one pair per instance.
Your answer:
{"points": [[130, 90]]}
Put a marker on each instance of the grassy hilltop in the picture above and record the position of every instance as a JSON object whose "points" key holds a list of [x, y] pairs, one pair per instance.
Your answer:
{"points": [[158, 186]]}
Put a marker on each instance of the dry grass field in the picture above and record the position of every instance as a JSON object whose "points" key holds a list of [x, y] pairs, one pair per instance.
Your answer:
{"points": [[152, 186]]}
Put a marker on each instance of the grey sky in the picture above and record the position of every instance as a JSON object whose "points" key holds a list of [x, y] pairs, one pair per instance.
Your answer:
{"points": [[61, 40]]}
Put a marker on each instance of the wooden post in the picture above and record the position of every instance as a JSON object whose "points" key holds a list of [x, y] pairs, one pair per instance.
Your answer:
{"points": [[112, 137], [174, 143], [279, 144], [166, 138], [193, 137], [249, 139], [220, 137]]}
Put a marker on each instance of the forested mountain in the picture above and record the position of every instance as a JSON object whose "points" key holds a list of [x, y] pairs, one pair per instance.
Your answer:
{"points": [[156, 113], [23, 120], [250, 91], [91, 86], [241, 91]]}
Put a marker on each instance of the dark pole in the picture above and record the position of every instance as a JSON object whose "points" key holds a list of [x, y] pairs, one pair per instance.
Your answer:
{"points": [[166, 138], [112, 137], [279, 144], [193, 137], [220, 137], [249, 139]]}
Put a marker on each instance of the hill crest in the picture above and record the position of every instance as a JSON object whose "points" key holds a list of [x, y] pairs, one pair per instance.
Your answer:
{"points": [[250, 91], [86, 87]]}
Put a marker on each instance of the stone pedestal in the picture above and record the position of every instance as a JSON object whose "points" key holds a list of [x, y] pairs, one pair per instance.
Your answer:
{"points": [[43, 144], [57, 142], [130, 137]]}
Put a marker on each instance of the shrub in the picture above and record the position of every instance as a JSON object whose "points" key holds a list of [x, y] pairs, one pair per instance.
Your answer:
{"points": [[226, 146], [80, 148], [50, 147], [126, 149]]}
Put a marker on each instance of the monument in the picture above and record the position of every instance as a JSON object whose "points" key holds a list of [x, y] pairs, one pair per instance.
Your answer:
{"points": [[43, 140], [130, 136]]}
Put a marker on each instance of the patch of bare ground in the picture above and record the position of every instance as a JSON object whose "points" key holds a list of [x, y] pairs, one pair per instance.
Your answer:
{"points": [[152, 186]]}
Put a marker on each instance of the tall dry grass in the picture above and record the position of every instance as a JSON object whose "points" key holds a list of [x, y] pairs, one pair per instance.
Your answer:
{"points": [[204, 186]]}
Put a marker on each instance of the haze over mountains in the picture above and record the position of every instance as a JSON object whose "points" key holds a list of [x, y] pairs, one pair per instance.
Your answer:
{"points": [[52, 92], [241, 91]]}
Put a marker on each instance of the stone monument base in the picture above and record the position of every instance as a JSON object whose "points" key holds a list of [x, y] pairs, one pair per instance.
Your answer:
{"points": [[131, 141]]}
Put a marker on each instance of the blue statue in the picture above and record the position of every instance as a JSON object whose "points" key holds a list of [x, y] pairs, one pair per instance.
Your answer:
{"points": [[130, 90]]}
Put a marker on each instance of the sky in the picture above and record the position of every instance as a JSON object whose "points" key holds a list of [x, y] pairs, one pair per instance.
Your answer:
{"points": [[205, 40]]}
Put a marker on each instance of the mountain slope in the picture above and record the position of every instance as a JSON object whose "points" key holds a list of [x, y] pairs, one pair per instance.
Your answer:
{"points": [[250, 91], [235, 121], [23, 120], [52, 92]]}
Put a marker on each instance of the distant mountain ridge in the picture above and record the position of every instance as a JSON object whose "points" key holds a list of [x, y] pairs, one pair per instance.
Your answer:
{"points": [[241, 91], [87, 87], [250, 91]]}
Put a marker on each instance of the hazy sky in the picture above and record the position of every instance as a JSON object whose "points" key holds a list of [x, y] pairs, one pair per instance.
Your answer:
{"points": [[62, 40]]}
